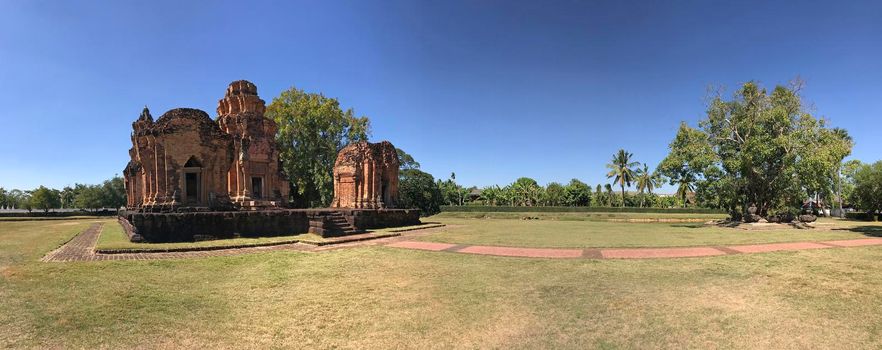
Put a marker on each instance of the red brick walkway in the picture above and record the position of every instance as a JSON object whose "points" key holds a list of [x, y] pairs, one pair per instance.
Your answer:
{"points": [[632, 253]]}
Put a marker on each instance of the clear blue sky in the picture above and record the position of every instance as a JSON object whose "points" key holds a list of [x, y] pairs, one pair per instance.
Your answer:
{"points": [[489, 90]]}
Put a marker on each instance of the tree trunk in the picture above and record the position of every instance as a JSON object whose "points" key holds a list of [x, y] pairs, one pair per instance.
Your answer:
{"points": [[623, 194], [839, 191]]}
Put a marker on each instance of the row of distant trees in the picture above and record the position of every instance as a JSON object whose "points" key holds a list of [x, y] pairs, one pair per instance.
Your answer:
{"points": [[109, 194], [758, 149]]}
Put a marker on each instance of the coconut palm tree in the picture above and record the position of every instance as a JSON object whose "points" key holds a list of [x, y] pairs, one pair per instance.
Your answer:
{"points": [[608, 195], [647, 181], [685, 184], [622, 169]]}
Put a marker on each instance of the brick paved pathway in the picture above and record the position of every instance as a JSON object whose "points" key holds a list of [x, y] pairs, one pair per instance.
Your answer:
{"points": [[630, 253], [82, 248]]}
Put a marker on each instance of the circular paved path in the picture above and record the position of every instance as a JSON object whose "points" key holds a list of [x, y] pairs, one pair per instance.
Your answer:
{"points": [[82, 248]]}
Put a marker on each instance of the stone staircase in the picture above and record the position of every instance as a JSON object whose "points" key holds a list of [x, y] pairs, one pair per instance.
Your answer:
{"points": [[332, 224]]}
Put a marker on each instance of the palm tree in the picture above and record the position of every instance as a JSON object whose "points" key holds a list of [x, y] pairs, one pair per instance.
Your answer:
{"points": [[608, 195], [647, 181], [621, 168], [685, 185]]}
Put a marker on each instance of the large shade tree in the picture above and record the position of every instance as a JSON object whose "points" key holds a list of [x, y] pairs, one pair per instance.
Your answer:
{"points": [[868, 187], [621, 168], [312, 130], [45, 199], [763, 150]]}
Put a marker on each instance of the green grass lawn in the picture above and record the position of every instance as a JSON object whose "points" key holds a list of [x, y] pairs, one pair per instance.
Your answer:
{"points": [[380, 297], [584, 234], [577, 216]]}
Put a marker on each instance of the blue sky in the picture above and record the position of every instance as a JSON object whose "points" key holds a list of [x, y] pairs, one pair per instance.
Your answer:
{"points": [[491, 90]]}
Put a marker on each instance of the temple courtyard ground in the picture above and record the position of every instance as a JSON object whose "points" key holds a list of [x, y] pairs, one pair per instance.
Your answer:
{"points": [[373, 294]]}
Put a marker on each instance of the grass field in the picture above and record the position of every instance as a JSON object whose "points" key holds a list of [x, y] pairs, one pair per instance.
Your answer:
{"points": [[577, 216], [380, 297], [555, 232]]}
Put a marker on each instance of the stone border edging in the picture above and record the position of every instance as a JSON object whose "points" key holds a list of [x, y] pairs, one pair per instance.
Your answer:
{"points": [[81, 247], [332, 240]]}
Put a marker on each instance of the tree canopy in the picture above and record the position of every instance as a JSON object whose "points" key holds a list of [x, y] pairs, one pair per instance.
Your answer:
{"points": [[758, 149], [312, 130], [868, 187]]}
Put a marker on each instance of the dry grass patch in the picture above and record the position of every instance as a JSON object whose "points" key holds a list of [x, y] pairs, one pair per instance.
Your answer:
{"points": [[379, 297]]}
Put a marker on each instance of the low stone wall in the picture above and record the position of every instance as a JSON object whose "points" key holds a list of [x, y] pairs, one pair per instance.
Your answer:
{"points": [[381, 218], [187, 227], [129, 230]]}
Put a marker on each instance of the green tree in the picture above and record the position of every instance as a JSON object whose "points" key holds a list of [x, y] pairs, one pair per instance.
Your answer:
{"points": [[89, 197], [843, 143], [848, 171], [417, 189], [526, 191], [18, 199], [555, 194], [622, 169], [45, 199], [765, 148], [610, 198], [491, 195], [406, 161], [23, 200], [578, 194], [647, 181], [4, 198], [67, 197], [451, 192], [312, 130], [685, 184], [113, 193], [868, 187]]}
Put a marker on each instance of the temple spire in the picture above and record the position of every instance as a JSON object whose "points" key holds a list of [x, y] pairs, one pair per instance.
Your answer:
{"points": [[145, 114]]}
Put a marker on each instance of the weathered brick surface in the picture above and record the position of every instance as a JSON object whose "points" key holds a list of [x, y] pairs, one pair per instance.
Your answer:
{"points": [[366, 176], [186, 227], [223, 157]]}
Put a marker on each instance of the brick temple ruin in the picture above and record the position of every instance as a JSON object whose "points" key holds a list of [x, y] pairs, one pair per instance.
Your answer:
{"points": [[191, 177], [366, 176], [186, 159]]}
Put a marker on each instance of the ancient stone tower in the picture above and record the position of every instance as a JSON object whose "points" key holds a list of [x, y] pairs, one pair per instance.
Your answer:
{"points": [[186, 159], [254, 175], [366, 176]]}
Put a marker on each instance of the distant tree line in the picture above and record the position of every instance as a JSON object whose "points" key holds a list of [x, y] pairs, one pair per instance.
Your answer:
{"points": [[109, 194]]}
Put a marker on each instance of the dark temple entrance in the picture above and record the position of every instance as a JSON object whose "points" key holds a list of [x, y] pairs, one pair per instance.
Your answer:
{"points": [[257, 187], [191, 187]]}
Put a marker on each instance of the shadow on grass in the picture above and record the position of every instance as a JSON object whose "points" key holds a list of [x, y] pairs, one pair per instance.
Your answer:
{"points": [[866, 230], [689, 225]]}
